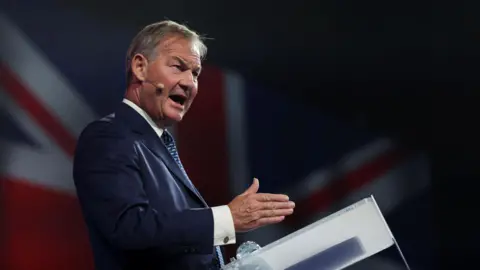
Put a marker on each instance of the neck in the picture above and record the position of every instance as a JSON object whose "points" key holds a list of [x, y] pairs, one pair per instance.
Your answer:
{"points": [[133, 95]]}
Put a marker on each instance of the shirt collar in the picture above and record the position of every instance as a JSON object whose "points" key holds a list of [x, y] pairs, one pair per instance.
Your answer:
{"points": [[144, 114]]}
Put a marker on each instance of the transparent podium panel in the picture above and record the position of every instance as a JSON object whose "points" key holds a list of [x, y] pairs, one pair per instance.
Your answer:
{"points": [[335, 242]]}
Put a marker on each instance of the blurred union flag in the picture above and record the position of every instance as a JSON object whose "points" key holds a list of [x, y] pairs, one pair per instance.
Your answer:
{"points": [[51, 86]]}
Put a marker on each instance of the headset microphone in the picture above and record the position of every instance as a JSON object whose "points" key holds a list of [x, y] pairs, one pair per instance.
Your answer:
{"points": [[158, 86]]}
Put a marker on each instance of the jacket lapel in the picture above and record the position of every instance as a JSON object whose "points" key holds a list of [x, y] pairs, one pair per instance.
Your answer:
{"points": [[161, 151], [155, 144]]}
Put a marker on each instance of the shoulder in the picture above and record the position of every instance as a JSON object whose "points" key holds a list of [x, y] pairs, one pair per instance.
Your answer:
{"points": [[108, 126], [105, 133]]}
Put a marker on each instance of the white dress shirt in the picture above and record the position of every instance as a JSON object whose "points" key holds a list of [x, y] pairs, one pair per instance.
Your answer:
{"points": [[223, 228]]}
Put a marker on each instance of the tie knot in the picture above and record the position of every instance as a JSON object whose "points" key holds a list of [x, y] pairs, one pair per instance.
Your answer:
{"points": [[167, 138]]}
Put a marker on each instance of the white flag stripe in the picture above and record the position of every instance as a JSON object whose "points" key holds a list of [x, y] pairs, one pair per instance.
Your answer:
{"points": [[43, 80], [318, 179], [24, 121], [44, 164], [397, 185], [365, 154], [391, 188], [44, 168], [234, 93]]}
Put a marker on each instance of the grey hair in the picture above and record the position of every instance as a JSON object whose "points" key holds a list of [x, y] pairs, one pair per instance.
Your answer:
{"points": [[147, 40]]}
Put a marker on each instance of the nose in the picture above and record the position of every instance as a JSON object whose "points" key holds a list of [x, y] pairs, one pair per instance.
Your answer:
{"points": [[188, 82]]}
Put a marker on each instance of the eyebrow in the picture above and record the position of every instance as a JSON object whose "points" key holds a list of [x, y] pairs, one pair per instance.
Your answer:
{"points": [[185, 63]]}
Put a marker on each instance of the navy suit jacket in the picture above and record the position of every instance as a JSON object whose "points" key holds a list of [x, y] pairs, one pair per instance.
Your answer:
{"points": [[140, 211]]}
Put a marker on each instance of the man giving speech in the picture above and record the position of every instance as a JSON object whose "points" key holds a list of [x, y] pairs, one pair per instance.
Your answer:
{"points": [[141, 208]]}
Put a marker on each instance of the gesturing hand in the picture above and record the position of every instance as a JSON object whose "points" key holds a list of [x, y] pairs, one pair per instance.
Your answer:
{"points": [[251, 210]]}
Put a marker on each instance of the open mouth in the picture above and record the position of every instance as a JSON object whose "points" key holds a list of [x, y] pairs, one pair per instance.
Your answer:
{"points": [[179, 99]]}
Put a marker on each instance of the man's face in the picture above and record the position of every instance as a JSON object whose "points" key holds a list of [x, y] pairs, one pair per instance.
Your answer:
{"points": [[176, 66]]}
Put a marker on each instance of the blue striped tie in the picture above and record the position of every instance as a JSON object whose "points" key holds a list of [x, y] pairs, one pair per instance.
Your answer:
{"points": [[172, 149]]}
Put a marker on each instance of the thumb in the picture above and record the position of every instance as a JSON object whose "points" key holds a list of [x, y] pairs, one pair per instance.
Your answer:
{"points": [[253, 188]]}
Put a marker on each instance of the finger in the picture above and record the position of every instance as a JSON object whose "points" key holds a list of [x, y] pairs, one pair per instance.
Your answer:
{"points": [[273, 213], [277, 205], [253, 188], [267, 221], [267, 197]]}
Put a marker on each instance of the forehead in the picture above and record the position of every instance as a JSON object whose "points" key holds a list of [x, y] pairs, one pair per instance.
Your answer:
{"points": [[176, 46]]}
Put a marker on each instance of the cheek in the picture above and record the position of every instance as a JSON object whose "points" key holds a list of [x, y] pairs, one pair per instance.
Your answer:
{"points": [[157, 101], [194, 94]]}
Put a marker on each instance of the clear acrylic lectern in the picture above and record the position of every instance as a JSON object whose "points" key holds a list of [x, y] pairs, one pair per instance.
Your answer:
{"points": [[332, 243]]}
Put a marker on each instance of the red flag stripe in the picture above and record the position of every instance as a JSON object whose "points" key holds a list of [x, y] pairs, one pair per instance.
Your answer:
{"points": [[36, 110], [202, 139], [43, 229], [322, 199]]}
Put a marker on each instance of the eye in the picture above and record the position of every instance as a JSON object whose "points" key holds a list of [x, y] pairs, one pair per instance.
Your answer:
{"points": [[178, 67]]}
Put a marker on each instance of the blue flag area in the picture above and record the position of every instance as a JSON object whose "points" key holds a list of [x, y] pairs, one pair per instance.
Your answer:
{"points": [[12, 132], [288, 140], [71, 41], [285, 140]]}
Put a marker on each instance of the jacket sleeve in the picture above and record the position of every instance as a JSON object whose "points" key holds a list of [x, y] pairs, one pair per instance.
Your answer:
{"points": [[109, 188]]}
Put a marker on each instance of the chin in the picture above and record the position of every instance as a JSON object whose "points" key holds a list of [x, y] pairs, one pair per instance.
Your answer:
{"points": [[173, 118]]}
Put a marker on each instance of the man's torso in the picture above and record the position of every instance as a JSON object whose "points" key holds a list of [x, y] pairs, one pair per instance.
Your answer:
{"points": [[164, 190]]}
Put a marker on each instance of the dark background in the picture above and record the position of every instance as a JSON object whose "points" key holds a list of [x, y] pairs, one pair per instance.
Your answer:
{"points": [[405, 68]]}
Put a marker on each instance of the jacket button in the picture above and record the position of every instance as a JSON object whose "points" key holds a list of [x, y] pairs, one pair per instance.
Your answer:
{"points": [[225, 240]]}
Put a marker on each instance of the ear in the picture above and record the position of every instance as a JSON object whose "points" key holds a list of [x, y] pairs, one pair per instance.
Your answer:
{"points": [[139, 67]]}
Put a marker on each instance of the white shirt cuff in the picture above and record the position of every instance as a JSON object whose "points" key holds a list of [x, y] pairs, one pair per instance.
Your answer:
{"points": [[223, 228]]}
